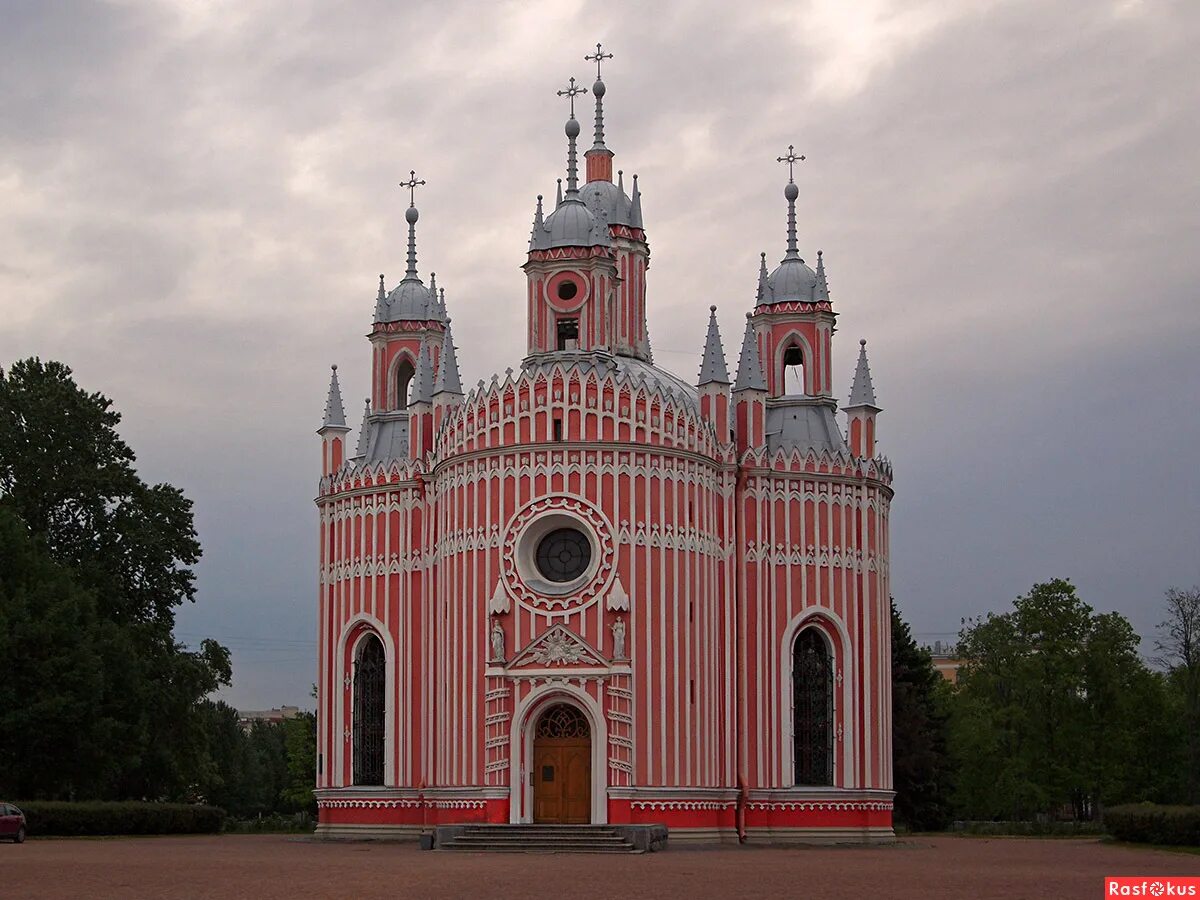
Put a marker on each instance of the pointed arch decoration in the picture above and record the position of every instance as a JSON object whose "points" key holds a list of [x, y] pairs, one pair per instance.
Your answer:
{"points": [[812, 708], [368, 710]]}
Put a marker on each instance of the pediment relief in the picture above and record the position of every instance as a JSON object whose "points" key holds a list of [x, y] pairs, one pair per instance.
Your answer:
{"points": [[558, 646]]}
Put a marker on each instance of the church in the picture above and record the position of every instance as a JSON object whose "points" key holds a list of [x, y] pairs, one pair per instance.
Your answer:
{"points": [[588, 591]]}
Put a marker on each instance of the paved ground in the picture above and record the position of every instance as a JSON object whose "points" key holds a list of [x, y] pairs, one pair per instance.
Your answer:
{"points": [[269, 866]]}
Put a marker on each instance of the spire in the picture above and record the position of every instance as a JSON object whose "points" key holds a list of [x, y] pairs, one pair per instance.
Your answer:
{"points": [[361, 449], [433, 295], [381, 301], [558, 200], [411, 215], [598, 91], [441, 306], [791, 192], [422, 383], [750, 370], [572, 131], [635, 206], [822, 292], [862, 391], [712, 366], [447, 381], [335, 414], [764, 286]]}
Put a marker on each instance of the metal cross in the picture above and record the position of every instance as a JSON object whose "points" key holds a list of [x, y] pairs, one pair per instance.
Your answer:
{"points": [[791, 159], [572, 92], [411, 184], [598, 57]]}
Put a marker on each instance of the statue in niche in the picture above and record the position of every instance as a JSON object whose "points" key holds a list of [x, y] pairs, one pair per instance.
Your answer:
{"points": [[497, 641], [618, 632]]}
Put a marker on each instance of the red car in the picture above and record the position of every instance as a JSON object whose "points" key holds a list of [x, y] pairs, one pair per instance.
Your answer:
{"points": [[12, 823]]}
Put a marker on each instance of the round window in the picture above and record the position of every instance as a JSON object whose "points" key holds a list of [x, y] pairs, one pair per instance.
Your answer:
{"points": [[567, 289], [563, 555]]}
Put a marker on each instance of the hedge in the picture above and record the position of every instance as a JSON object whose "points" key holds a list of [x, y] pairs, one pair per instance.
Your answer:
{"points": [[1028, 829], [92, 818], [1150, 823]]}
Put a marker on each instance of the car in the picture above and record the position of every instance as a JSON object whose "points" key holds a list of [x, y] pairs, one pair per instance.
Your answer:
{"points": [[12, 823]]}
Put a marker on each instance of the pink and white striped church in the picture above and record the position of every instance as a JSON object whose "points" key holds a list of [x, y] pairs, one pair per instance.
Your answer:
{"points": [[591, 592]]}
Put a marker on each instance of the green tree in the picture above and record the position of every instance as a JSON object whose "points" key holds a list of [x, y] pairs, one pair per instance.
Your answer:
{"points": [[1179, 648], [1054, 709], [922, 769], [301, 737], [68, 479]]}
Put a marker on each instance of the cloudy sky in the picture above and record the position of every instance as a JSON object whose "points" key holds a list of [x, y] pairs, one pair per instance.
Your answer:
{"points": [[196, 199]]}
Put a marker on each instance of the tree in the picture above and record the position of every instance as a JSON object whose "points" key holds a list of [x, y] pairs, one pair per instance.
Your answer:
{"points": [[1054, 710], [301, 737], [1179, 648], [921, 762], [126, 549]]}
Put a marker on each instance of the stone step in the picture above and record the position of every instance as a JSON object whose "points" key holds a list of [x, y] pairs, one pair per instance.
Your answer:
{"points": [[507, 838]]}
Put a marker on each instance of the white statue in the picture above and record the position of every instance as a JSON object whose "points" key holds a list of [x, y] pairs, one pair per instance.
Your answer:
{"points": [[497, 641], [618, 631]]}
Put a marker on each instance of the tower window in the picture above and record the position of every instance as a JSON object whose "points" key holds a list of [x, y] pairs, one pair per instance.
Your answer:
{"points": [[567, 289], [568, 334], [793, 371], [558, 429], [404, 376], [812, 708]]}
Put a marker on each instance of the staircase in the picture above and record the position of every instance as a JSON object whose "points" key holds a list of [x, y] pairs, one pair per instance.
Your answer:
{"points": [[541, 839]]}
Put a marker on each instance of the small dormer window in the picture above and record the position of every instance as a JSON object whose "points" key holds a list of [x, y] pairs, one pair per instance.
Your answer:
{"points": [[568, 334]]}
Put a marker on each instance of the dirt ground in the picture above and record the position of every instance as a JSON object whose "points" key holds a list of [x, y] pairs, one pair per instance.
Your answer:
{"points": [[269, 866]]}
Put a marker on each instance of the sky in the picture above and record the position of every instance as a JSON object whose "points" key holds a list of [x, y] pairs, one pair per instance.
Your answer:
{"points": [[197, 198]]}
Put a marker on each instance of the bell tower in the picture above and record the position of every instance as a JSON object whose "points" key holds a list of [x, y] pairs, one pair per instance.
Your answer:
{"points": [[587, 261]]}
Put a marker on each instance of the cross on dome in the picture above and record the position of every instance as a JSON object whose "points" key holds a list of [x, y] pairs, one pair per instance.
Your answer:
{"points": [[412, 184], [572, 92], [791, 159], [598, 57]]}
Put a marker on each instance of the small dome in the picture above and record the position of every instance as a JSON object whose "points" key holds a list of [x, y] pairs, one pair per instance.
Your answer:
{"points": [[571, 225], [791, 280], [607, 199], [409, 300]]}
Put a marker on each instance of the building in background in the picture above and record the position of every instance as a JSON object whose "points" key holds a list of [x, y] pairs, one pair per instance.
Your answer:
{"points": [[588, 591], [247, 717]]}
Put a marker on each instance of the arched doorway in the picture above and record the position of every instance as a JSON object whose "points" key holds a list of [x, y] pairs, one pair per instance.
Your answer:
{"points": [[562, 767], [368, 711]]}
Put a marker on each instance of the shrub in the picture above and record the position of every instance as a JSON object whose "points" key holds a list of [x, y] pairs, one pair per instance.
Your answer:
{"points": [[1151, 823], [94, 818]]}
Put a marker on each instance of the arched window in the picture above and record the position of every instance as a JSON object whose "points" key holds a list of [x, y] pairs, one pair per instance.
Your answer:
{"points": [[369, 684], [404, 375], [812, 708], [793, 370]]}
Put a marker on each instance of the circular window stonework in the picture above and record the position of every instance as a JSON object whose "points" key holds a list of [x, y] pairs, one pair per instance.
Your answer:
{"points": [[558, 555]]}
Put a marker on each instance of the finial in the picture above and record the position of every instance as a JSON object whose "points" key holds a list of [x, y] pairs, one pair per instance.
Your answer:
{"points": [[598, 57], [713, 308], [791, 159], [411, 215], [572, 130], [712, 362], [598, 90], [558, 201], [334, 367], [412, 184], [862, 342], [791, 192]]}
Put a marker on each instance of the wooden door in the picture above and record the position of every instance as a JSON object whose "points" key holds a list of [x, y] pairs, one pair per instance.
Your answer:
{"points": [[562, 781]]}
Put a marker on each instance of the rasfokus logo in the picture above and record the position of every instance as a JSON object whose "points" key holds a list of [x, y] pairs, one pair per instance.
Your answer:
{"points": [[1152, 886]]}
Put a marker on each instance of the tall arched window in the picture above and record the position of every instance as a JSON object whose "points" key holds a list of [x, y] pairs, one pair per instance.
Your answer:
{"points": [[369, 684], [793, 370], [812, 708], [404, 375]]}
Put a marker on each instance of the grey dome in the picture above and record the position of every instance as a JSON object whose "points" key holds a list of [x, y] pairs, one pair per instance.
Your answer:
{"points": [[608, 201], [571, 225], [409, 300], [791, 280]]}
